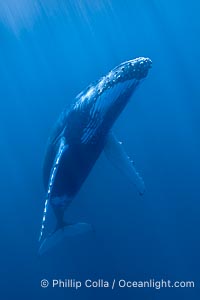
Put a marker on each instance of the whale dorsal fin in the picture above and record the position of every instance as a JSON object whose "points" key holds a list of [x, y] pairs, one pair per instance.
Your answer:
{"points": [[118, 157], [61, 149]]}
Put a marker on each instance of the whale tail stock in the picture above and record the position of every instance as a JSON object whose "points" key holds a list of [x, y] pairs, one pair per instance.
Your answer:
{"points": [[63, 230], [55, 207], [61, 233]]}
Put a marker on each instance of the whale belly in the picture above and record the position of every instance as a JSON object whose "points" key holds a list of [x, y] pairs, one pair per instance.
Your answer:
{"points": [[74, 168]]}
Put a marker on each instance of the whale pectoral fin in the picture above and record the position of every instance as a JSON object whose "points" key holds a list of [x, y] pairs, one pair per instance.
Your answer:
{"points": [[61, 149], [118, 157]]}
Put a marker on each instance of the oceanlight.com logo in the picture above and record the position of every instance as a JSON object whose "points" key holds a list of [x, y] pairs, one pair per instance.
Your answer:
{"points": [[156, 284], [115, 283]]}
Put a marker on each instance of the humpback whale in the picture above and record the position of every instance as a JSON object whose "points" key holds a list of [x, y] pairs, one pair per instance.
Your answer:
{"points": [[82, 132]]}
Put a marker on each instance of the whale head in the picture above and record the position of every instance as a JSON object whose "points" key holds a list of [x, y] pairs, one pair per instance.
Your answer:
{"points": [[127, 74], [105, 99], [133, 69]]}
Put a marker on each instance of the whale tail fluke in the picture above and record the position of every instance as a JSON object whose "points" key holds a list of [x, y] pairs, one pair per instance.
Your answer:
{"points": [[62, 233]]}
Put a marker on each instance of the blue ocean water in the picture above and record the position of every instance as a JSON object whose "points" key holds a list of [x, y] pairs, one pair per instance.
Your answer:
{"points": [[50, 50]]}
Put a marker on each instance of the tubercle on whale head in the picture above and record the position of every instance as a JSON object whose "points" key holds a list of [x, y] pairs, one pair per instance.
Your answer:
{"points": [[133, 69]]}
